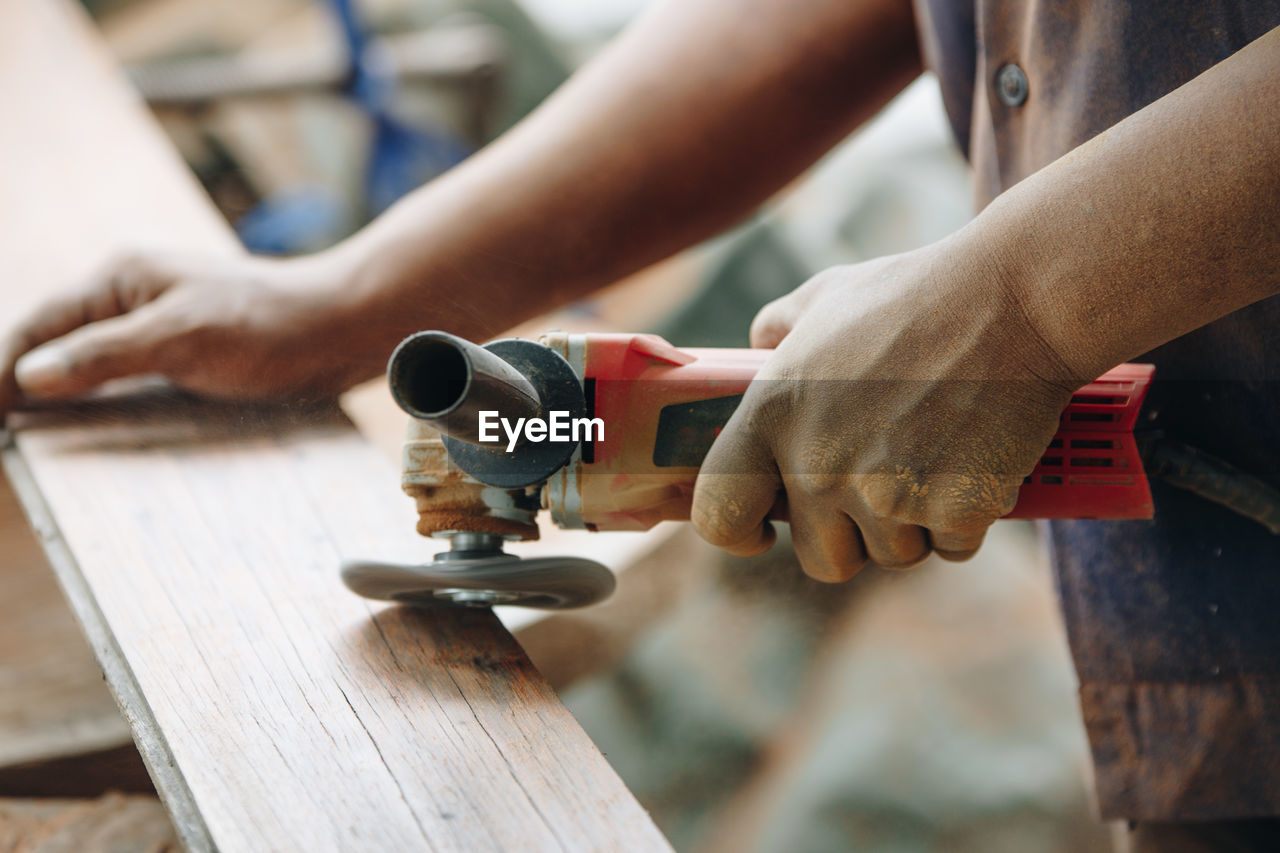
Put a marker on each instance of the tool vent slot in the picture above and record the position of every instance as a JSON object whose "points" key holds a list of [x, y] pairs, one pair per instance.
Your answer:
{"points": [[1101, 479], [1093, 444], [1099, 400], [1090, 460], [1102, 402]]}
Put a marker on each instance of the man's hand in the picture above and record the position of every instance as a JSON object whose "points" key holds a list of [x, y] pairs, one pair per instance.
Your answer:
{"points": [[243, 328], [907, 399]]}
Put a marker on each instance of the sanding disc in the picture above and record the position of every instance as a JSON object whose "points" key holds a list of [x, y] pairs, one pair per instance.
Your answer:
{"points": [[548, 583]]}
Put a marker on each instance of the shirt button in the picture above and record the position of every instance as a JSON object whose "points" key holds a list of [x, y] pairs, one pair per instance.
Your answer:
{"points": [[1011, 85]]}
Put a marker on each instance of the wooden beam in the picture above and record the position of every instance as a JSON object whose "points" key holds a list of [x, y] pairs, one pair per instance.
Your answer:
{"points": [[199, 547]]}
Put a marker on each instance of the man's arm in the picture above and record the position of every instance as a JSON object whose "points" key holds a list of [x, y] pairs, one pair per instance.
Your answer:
{"points": [[918, 390], [1160, 225], [697, 114]]}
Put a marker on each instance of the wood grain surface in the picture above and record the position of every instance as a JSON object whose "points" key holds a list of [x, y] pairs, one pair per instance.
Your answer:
{"points": [[199, 545]]}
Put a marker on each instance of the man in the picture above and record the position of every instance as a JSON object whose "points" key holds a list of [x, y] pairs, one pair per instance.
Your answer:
{"points": [[1126, 158]]}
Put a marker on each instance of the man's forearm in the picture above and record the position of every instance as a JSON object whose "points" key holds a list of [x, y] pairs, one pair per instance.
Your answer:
{"points": [[1156, 227], [695, 116]]}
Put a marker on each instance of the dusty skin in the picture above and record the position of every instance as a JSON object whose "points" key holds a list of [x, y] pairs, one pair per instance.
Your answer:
{"points": [[977, 425]]}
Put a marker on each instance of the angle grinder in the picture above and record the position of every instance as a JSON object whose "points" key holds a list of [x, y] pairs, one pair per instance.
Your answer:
{"points": [[610, 430]]}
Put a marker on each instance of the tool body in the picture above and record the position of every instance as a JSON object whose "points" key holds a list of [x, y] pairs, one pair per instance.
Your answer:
{"points": [[659, 409], [668, 404]]}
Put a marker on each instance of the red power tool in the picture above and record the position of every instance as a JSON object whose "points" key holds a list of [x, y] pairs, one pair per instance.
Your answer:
{"points": [[625, 421]]}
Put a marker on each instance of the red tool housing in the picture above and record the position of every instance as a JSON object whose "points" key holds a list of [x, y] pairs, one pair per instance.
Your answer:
{"points": [[663, 405], [1092, 469]]}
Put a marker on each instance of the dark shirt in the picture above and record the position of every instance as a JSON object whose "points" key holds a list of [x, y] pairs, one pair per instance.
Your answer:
{"points": [[1175, 623]]}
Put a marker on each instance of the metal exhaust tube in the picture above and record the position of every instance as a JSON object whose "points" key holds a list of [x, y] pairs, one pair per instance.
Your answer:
{"points": [[447, 381]]}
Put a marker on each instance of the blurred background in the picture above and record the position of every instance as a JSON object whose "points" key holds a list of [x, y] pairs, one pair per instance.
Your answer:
{"points": [[748, 708]]}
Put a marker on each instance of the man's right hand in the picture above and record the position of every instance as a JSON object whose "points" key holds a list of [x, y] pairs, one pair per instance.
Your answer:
{"points": [[225, 327]]}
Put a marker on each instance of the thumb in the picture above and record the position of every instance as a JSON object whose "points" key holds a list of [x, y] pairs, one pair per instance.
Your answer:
{"points": [[737, 486], [82, 360], [773, 322]]}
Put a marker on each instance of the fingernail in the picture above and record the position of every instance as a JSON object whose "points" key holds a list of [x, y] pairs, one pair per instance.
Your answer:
{"points": [[41, 369]]}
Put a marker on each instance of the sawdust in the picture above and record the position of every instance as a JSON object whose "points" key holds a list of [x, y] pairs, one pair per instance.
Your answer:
{"points": [[447, 499], [475, 522]]}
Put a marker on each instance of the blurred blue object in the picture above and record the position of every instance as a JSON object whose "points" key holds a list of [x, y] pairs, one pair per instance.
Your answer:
{"points": [[401, 156], [405, 157], [292, 221]]}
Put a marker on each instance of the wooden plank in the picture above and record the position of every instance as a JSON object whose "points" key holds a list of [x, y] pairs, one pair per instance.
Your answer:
{"points": [[199, 545]]}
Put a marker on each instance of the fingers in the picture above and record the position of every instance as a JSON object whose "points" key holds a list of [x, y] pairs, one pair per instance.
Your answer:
{"points": [[833, 545], [87, 357], [827, 542], [958, 545], [893, 545], [773, 323], [116, 288], [737, 487]]}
